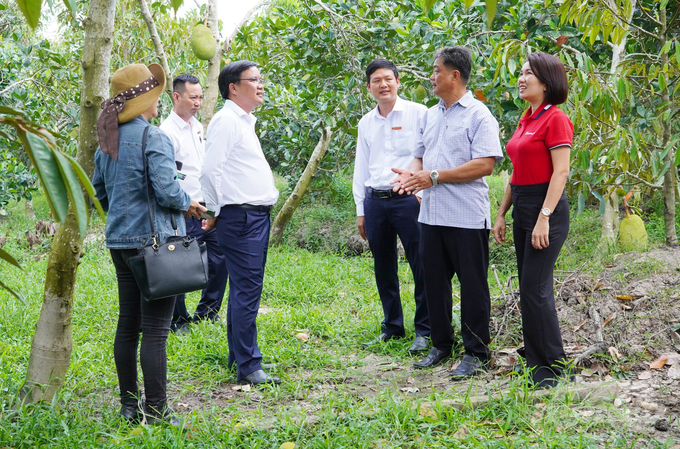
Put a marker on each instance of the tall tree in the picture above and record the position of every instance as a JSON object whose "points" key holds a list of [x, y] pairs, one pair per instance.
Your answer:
{"points": [[51, 347]]}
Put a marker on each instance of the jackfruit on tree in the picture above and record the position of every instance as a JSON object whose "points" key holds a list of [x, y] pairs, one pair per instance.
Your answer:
{"points": [[420, 92], [632, 234], [203, 42]]}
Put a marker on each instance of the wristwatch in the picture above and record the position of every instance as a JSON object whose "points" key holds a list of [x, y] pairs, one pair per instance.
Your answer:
{"points": [[434, 175], [546, 212]]}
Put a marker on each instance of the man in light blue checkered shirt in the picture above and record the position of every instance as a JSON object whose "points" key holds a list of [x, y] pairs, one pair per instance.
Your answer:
{"points": [[456, 146]]}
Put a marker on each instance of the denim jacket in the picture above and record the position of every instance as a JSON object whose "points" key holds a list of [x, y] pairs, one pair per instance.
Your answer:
{"points": [[121, 187]]}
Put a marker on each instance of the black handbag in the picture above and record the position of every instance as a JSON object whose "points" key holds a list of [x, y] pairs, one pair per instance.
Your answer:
{"points": [[176, 265]]}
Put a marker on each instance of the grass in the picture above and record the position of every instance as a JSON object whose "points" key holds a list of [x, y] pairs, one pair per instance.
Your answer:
{"points": [[334, 393]]}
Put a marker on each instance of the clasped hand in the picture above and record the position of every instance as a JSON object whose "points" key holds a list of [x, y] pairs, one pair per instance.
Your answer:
{"points": [[410, 182]]}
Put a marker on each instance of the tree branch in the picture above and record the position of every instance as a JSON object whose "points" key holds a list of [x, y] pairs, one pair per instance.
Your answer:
{"points": [[227, 43], [629, 22], [15, 84], [158, 45]]}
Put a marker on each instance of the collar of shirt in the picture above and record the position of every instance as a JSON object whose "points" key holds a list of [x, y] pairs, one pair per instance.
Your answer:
{"points": [[464, 101], [398, 107], [180, 122], [229, 104]]}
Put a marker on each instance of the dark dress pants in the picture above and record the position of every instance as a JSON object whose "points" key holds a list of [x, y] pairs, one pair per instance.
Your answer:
{"points": [[244, 238], [385, 219], [446, 251], [541, 328], [152, 318], [212, 295]]}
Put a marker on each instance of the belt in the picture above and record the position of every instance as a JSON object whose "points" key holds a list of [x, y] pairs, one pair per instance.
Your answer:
{"points": [[249, 207], [383, 193]]}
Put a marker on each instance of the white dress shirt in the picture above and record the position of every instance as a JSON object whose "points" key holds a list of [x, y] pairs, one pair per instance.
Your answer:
{"points": [[187, 139], [234, 169], [383, 143]]}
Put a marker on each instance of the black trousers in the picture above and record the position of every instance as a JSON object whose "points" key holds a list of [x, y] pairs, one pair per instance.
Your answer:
{"points": [[385, 218], [211, 297], [446, 251], [542, 337], [152, 319]]}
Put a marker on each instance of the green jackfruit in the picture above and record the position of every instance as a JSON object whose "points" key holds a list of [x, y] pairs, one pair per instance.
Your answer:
{"points": [[420, 92], [203, 43], [632, 234]]}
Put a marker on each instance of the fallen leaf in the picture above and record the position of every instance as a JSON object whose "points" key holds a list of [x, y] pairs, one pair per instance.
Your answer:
{"points": [[561, 40], [586, 413], [427, 412], [614, 353], [287, 445], [410, 380], [410, 390], [659, 362], [241, 387], [609, 319], [579, 325], [675, 337], [674, 372], [586, 373], [625, 297], [598, 286], [480, 95], [645, 375], [599, 368], [302, 336], [581, 300], [625, 306], [182, 404], [461, 432]]}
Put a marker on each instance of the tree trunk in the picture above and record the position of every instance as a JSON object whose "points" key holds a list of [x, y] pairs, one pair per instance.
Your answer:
{"points": [[610, 219], [51, 348], [294, 199], [212, 91], [158, 45], [670, 178]]}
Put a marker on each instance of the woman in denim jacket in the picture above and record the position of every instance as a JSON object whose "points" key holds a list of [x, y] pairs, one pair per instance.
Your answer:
{"points": [[120, 183]]}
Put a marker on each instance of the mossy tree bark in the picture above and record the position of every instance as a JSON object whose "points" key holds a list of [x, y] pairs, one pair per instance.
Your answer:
{"points": [[212, 91], [293, 201], [670, 178], [51, 349]]}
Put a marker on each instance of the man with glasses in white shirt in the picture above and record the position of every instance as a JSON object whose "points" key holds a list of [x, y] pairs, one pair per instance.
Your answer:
{"points": [[238, 185], [187, 137], [386, 137]]}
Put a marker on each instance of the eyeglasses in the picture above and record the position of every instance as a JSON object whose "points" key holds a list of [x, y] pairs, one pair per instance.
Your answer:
{"points": [[254, 80]]}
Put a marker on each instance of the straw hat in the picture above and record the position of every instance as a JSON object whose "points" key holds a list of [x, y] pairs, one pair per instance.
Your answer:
{"points": [[134, 89], [133, 75]]}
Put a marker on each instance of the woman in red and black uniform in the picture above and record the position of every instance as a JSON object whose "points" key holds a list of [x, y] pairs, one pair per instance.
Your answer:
{"points": [[540, 154]]}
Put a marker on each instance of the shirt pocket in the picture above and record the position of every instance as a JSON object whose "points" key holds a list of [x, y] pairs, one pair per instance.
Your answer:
{"points": [[402, 142]]}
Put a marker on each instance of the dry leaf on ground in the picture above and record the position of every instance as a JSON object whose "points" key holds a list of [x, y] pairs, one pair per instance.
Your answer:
{"points": [[427, 412], [659, 362], [410, 390], [461, 432]]}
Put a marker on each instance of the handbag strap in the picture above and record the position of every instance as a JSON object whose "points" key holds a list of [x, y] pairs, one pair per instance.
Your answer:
{"points": [[148, 194]]}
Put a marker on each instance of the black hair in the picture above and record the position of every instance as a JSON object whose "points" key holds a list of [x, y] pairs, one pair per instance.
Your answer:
{"points": [[380, 63], [180, 80], [550, 71], [231, 73], [457, 58]]}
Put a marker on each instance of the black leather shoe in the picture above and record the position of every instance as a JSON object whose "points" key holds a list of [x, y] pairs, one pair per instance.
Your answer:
{"points": [[161, 414], [419, 344], [433, 358], [468, 367], [131, 413], [260, 377], [381, 338], [182, 328]]}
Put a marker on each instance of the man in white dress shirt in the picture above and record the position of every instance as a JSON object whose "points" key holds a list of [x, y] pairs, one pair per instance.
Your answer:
{"points": [[238, 185], [186, 135], [385, 140]]}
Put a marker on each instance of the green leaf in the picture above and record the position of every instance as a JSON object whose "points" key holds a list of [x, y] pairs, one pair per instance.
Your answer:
{"points": [[6, 110], [31, 11], [71, 5], [48, 172], [427, 5], [677, 51], [16, 294], [581, 202], [4, 255], [73, 191], [490, 11], [85, 182], [176, 4]]}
